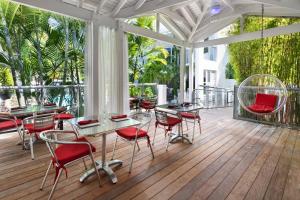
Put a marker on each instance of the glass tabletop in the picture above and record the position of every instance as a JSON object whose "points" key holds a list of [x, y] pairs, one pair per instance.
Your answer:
{"points": [[179, 108], [34, 109], [104, 126]]}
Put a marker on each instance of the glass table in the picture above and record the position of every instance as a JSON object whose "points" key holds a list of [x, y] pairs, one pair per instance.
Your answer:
{"points": [[104, 127], [34, 109], [175, 110]]}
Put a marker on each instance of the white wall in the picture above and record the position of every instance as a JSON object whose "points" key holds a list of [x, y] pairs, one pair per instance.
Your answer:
{"points": [[219, 65]]}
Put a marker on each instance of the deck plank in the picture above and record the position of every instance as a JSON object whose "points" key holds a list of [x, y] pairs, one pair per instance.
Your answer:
{"points": [[231, 160]]}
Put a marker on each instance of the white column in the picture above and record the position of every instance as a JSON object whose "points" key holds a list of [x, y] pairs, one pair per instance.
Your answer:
{"points": [[191, 73], [91, 70], [122, 62], [182, 73], [198, 70]]}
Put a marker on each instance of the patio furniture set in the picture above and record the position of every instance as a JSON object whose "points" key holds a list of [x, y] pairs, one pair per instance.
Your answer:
{"points": [[44, 120]]}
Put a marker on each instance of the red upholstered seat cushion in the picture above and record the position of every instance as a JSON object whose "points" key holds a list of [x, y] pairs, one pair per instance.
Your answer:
{"points": [[261, 108], [30, 128], [64, 116], [266, 100], [189, 115], [5, 125], [147, 107], [130, 133], [171, 121], [66, 153]]}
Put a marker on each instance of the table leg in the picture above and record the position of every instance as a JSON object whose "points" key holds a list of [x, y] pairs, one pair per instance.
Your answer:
{"points": [[179, 136], [103, 165]]}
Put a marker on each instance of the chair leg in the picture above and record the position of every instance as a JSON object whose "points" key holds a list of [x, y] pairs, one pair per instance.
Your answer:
{"points": [[31, 146], [55, 184], [187, 127], [194, 130], [95, 166], [130, 166], [114, 148], [200, 125], [84, 163], [154, 135], [149, 144], [45, 177], [168, 142], [137, 144]]}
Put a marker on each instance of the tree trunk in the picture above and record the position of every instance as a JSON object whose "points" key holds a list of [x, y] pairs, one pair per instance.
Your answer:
{"points": [[10, 53], [66, 60]]}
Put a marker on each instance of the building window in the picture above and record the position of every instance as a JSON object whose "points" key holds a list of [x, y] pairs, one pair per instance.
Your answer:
{"points": [[210, 77], [210, 53]]}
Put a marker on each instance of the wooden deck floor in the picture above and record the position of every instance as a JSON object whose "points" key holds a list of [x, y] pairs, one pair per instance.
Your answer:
{"points": [[230, 160]]}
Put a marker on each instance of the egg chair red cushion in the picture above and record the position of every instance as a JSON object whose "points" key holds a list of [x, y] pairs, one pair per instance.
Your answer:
{"points": [[264, 103]]}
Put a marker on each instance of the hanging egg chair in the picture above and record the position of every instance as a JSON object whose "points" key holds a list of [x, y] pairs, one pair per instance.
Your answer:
{"points": [[262, 94]]}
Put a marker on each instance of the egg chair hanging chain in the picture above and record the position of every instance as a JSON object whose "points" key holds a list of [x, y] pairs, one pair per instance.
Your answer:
{"points": [[262, 35]]}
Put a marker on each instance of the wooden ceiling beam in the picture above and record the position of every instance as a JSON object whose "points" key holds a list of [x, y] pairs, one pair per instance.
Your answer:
{"points": [[187, 14], [139, 4], [148, 6], [118, 7]]}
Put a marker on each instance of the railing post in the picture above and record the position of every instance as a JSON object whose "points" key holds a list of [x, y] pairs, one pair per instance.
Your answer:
{"points": [[235, 103]]}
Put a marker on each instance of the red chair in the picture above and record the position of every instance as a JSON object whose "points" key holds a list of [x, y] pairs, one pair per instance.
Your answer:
{"points": [[10, 123], [148, 104], [35, 125], [62, 116], [134, 134], [192, 117], [65, 152], [264, 103], [168, 122]]}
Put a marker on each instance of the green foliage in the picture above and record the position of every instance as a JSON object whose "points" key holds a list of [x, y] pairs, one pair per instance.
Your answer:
{"points": [[5, 77], [229, 73], [134, 91], [278, 55], [148, 62], [148, 92]]}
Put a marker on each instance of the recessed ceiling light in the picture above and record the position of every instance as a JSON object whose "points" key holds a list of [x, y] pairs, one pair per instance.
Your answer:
{"points": [[215, 9]]}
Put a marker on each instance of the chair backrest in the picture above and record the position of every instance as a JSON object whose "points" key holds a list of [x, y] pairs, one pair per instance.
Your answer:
{"points": [[43, 121], [161, 116], [144, 118], [50, 138], [266, 100]]}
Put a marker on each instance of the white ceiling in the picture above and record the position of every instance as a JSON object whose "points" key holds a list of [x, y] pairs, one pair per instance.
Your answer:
{"points": [[190, 20]]}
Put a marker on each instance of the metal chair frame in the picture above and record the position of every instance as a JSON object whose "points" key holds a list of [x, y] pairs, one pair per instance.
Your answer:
{"points": [[35, 121], [146, 123], [193, 121], [8, 117], [161, 117], [50, 142]]}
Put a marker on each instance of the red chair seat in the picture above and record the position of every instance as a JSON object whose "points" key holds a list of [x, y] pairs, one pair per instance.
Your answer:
{"points": [[30, 128], [63, 116], [5, 125], [130, 133], [66, 153], [189, 115], [261, 108], [147, 107], [171, 121]]}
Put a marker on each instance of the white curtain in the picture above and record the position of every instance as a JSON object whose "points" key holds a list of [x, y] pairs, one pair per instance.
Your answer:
{"points": [[108, 71]]}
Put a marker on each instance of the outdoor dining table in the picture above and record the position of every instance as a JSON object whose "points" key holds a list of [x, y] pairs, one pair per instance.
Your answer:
{"points": [[103, 128], [35, 109], [176, 109]]}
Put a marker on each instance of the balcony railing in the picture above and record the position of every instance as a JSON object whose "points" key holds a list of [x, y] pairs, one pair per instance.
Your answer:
{"points": [[70, 96], [288, 116], [213, 97]]}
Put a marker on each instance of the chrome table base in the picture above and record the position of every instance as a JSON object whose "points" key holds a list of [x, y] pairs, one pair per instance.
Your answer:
{"points": [[182, 137], [106, 168]]}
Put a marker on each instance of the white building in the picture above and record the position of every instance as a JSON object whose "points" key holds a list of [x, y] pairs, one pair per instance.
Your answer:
{"points": [[210, 65]]}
